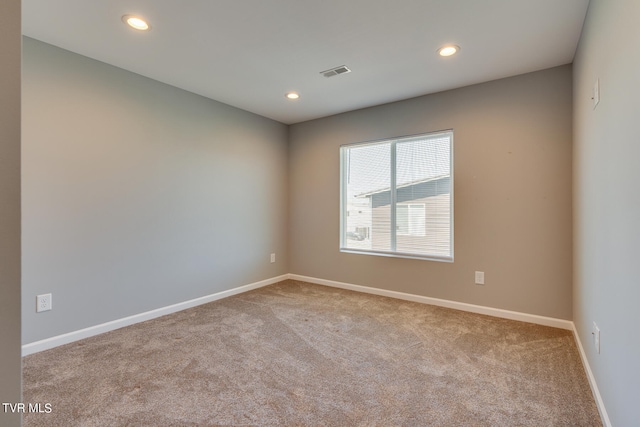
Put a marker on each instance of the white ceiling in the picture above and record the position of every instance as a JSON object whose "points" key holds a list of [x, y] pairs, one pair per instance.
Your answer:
{"points": [[249, 53]]}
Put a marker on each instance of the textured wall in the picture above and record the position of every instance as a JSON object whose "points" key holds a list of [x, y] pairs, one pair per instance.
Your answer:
{"points": [[10, 362], [138, 195], [512, 172], [607, 202]]}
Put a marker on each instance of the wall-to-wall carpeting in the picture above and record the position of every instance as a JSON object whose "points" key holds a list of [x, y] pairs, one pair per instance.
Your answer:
{"points": [[294, 353]]}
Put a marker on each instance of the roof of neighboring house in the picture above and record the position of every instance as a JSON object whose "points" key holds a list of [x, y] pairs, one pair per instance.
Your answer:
{"points": [[403, 185]]}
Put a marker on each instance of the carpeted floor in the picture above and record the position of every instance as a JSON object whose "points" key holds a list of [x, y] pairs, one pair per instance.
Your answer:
{"points": [[298, 354]]}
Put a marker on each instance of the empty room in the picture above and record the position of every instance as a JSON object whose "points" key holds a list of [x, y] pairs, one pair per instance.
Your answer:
{"points": [[367, 213]]}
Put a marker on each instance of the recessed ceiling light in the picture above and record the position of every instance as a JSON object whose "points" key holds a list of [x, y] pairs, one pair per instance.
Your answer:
{"points": [[448, 50], [136, 22], [292, 95]]}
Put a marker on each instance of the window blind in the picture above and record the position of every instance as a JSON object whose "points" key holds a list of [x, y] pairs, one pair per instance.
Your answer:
{"points": [[397, 197]]}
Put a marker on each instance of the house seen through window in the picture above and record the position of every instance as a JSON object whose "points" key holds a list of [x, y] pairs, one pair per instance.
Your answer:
{"points": [[397, 197]]}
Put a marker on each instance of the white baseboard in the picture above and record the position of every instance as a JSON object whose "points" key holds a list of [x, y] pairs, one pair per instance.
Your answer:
{"points": [[56, 341], [496, 312], [592, 380], [69, 337]]}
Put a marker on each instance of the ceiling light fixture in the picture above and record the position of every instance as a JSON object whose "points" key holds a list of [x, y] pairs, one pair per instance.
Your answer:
{"points": [[136, 22], [448, 50], [292, 95]]}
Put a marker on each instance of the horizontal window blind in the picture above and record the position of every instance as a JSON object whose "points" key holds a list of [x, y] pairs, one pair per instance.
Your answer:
{"points": [[397, 197]]}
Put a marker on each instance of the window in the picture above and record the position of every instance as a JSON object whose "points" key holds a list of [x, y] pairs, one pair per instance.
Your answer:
{"points": [[397, 197], [410, 219]]}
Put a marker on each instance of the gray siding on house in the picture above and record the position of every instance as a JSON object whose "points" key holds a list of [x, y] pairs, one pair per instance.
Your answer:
{"points": [[432, 196]]}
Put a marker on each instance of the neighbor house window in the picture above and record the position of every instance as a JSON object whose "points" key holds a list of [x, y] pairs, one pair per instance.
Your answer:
{"points": [[410, 219], [397, 197]]}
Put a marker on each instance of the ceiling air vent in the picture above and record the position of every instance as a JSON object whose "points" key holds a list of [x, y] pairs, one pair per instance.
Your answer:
{"points": [[335, 71]]}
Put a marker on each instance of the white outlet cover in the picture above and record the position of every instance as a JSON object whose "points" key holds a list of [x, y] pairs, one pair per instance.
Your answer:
{"points": [[273, 257], [596, 93], [596, 337], [43, 303], [479, 277]]}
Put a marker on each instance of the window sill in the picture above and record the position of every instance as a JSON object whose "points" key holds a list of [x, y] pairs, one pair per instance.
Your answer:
{"points": [[398, 255]]}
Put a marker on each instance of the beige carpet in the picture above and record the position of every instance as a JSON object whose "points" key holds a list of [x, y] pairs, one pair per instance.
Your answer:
{"points": [[297, 354]]}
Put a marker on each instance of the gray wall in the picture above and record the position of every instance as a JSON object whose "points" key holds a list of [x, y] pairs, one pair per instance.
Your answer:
{"points": [[512, 155], [10, 362], [138, 195], [607, 202]]}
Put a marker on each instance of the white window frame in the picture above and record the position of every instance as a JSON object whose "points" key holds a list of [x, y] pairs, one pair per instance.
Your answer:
{"points": [[343, 199]]}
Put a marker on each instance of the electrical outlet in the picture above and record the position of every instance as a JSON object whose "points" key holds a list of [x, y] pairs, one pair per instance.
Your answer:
{"points": [[479, 277], [273, 258], [43, 303], [596, 337], [596, 93]]}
